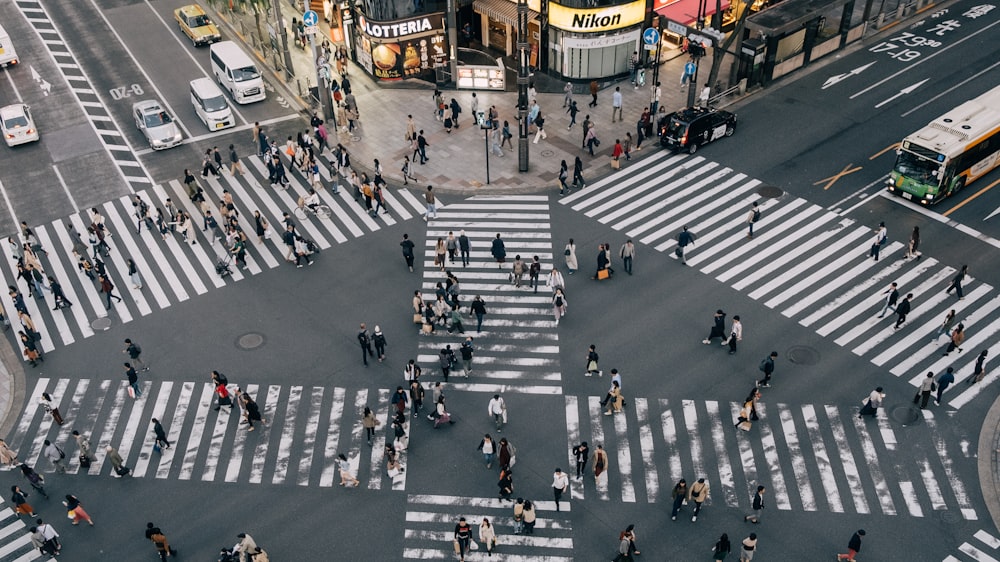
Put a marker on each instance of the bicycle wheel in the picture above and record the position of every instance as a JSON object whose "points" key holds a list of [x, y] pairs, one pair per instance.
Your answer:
{"points": [[322, 211], [300, 213]]}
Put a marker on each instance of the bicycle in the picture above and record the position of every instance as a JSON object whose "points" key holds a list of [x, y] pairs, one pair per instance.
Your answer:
{"points": [[302, 212]]}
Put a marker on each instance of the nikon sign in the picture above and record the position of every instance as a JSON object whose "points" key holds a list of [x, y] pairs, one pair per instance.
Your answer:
{"points": [[596, 20]]}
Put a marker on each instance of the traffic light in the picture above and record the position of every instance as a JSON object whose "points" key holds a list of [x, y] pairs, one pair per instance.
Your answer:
{"points": [[696, 49]]}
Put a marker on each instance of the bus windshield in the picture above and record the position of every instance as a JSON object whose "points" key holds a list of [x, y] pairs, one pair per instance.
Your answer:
{"points": [[916, 168]]}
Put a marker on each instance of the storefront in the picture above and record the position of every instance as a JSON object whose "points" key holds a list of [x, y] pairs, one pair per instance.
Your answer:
{"points": [[593, 42], [404, 48], [498, 21]]}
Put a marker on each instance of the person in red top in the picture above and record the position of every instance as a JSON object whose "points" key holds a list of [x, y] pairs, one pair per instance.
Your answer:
{"points": [[618, 151]]}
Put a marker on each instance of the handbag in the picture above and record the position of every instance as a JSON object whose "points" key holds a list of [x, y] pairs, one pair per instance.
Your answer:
{"points": [[513, 460], [615, 164], [566, 252], [678, 252], [71, 514], [418, 318], [603, 274], [131, 392]]}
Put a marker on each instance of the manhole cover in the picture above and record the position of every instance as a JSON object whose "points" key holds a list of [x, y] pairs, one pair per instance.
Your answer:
{"points": [[101, 324], [770, 191], [250, 341], [906, 414], [802, 355], [546, 153], [949, 516]]}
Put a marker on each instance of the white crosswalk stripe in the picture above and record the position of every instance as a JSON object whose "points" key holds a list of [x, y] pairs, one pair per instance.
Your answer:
{"points": [[518, 349], [431, 521], [808, 263], [173, 270], [979, 550], [307, 427], [15, 540], [809, 457]]}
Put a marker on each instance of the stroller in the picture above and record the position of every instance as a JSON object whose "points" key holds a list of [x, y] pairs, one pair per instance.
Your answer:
{"points": [[222, 267]]}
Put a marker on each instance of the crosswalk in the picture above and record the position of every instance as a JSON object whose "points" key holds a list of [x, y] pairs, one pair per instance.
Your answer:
{"points": [[173, 270], [811, 457], [984, 548], [431, 520], [518, 349], [15, 541], [806, 262], [307, 428]]}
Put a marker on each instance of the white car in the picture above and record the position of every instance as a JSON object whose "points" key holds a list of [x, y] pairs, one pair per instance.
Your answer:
{"points": [[156, 124], [16, 125]]}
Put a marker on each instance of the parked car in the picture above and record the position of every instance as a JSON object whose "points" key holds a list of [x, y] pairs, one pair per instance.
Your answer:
{"points": [[156, 124], [16, 125], [690, 128], [195, 23]]}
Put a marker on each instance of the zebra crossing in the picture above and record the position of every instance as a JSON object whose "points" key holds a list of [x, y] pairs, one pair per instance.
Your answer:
{"points": [[307, 427], [811, 457], [173, 270], [15, 541], [804, 261], [518, 349], [982, 549], [431, 520]]}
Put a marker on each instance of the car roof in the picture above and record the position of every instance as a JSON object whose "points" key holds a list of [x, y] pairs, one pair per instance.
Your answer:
{"points": [[148, 106], [191, 10], [690, 114], [12, 110]]}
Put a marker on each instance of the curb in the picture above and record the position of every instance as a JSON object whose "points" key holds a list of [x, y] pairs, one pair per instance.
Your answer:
{"points": [[989, 461], [12, 388]]}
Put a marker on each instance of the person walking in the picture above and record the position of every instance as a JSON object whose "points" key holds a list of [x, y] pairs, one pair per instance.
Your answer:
{"points": [[378, 339], [624, 549], [767, 366], [752, 217], [581, 453], [735, 334], [462, 538], [892, 296], [748, 547], [497, 408], [873, 403], [55, 455], [368, 422], [8, 456], [478, 307], [234, 162], [36, 480], [881, 234], [944, 380], [957, 337], [592, 359], [133, 381], [400, 399], [118, 468], [945, 327], [570, 253], [594, 86], [407, 245], [600, 467], [160, 542], [615, 399], [902, 309], [83, 443], [19, 498], [923, 395], [517, 271], [956, 283], [160, 436], [506, 483], [488, 448], [757, 504], [578, 181], [76, 511], [534, 270], [49, 536], [684, 239], [466, 351], [853, 546], [108, 288], [697, 493], [134, 353], [364, 340], [464, 248], [346, 474], [499, 251], [558, 305], [979, 371], [560, 482], [487, 536], [616, 104], [912, 247], [627, 253], [721, 548], [678, 495]]}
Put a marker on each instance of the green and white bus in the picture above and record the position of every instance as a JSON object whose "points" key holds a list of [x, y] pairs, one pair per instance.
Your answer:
{"points": [[949, 153]]}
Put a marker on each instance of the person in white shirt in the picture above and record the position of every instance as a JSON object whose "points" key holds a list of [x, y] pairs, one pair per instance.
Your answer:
{"points": [[312, 200], [498, 409], [556, 280], [560, 482]]}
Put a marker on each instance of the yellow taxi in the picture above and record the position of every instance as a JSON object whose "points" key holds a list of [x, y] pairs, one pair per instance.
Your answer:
{"points": [[195, 23]]}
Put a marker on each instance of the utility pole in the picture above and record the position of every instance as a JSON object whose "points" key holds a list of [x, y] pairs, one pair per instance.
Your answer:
{"points": [[279, 24], [453, 41], [523, 52]]}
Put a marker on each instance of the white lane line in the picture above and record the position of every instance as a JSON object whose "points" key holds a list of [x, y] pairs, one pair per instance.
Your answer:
{"points": [[764, 259], [573, 437], [773, 460], [124, 233], [691, 209], [620, 205], [395, 205], [847, 459], [446, 537], [624, 456], [197, 430], [715, 216], [694, 439], [822, 459], [239, 445], [28, 415], [69, 194], [289, 203], [930, 483], [845, 277], [823, 255], [354, 453], [332, 439], [957, 488], [260, 452], [798, 460], [309, 441], [980, 335], [246, 217], [85, 424], [491, 503], [975, 553], [732, 233], [287, 435], [597, 438], [722, 455], [242, 217], [506, 388], [661, 206], [874, 469], [647, 446], [986, 538], [175, 425], [418, 205], [670, 440], [63, 276], [910, 498], [456, 225], [376, 466], [658, 166]]}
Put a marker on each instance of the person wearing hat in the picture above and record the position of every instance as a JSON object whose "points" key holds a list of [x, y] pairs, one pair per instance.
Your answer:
{"points": [[378, 338], [853, 546]]}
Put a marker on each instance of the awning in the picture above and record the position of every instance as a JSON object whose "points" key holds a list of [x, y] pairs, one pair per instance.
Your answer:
{"points": [[500, 10], [685, 11]]}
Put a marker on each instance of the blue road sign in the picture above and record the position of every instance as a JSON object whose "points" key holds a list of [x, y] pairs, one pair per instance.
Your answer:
{"points": [[650, 36], [310, 18]]}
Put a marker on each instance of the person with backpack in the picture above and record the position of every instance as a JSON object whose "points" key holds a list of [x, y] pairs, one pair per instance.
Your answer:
{"points": [[364, 340], [534, 270], [558, 305], [767, 367], [752, 217], [134, 352], [446, 358], [55, 455], [467, 352]]}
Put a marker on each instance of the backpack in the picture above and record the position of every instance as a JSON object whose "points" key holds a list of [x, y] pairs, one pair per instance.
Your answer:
{"points": [[222, 379], [756, 215], [137, 349], [559, 301], [363, 338], [763, 365]]}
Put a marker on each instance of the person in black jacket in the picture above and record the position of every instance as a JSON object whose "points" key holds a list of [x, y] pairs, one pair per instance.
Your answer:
{"points": [[758, 506], [853, 546], [902, 310]]}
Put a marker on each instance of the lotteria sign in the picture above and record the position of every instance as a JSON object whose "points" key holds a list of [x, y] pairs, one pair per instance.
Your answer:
{"points": [[397, 29], [596, 20]]}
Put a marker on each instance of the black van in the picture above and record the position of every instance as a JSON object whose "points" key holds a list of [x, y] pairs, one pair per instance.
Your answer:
{"points": [[689, 128]]}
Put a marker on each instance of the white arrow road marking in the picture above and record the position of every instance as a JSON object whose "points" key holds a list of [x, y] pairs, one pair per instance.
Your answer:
{"points": [[840, 77], [904, 91]]}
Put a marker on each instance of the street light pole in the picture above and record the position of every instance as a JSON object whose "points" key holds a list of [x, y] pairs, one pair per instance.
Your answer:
{"points": [[523, 52], [485, 126], [279, 23]]}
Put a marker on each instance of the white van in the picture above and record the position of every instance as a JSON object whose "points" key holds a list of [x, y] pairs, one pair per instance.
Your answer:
{"points": [[237, 73], [7, 53], [210, 104]]}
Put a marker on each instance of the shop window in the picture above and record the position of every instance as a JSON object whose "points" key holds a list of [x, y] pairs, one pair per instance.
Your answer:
{"points": [[790, 46]]}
